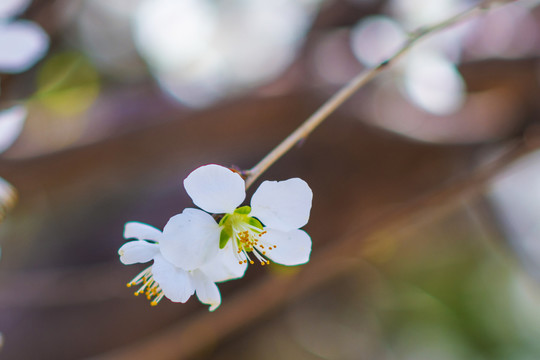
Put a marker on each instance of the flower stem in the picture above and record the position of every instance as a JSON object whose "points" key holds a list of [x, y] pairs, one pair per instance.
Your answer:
{"points": [[303, 131]]}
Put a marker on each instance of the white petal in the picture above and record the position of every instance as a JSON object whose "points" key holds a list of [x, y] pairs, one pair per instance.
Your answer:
{"points": [[206, 289], [190, 239], [282, 205], [138, 251], [140, 231], [22, 44], [11, 125], [292, 247], [225, 266], [10, 8], [215, 188], [175, 283]]}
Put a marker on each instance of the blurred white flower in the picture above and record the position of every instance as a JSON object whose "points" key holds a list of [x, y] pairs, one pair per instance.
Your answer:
{"points": [[185, 261], [11, 8], [22, 42], [515, 194], [507, 32], [429, 75], [415, 13], [433, 83], [282, 206], [376, 38], [11, 125], [201, 50], [103, 31]]}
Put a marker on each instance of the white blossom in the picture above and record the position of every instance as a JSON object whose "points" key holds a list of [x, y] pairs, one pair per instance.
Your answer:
{"points": [[269, 229], [184, 262], [194, 251]]}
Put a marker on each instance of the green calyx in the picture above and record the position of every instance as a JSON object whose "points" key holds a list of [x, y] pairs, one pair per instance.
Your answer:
{"points": [[243, 210], [238, 219], [224, 237]]}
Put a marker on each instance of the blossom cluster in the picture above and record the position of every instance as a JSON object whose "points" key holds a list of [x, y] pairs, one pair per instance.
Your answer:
{"points": [[199, 248]]}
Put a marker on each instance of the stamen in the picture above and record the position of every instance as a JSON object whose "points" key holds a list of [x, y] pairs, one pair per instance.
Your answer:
{"points": [[150, 287], [157, 299], [246, 239], [259, 257], [247, 258]]}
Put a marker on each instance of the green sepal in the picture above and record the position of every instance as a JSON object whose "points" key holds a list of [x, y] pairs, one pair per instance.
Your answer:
{"points": [[224, 238], [254, 222], [244, 210], [224, 219]]}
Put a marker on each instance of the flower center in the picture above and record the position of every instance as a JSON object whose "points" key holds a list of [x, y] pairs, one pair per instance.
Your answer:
{"points": [[150, 287], [245, 232]]}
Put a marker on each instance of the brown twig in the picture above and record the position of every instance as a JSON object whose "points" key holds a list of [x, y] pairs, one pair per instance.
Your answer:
{"points": [[311, 123]]}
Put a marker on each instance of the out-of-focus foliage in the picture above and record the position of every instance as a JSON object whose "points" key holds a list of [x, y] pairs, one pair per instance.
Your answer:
{"points": [[67, 84]]}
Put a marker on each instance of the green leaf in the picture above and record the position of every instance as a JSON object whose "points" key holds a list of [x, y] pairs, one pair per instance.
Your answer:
{"points": [[244, 210], [224, 238], [254, 222]]}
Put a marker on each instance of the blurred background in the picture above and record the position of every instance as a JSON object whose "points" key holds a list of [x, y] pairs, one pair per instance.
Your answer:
{"points": [[426, 212]]}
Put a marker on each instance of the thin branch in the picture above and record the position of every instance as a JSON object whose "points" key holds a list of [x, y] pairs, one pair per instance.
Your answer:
{"points": [[304, 130]]}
